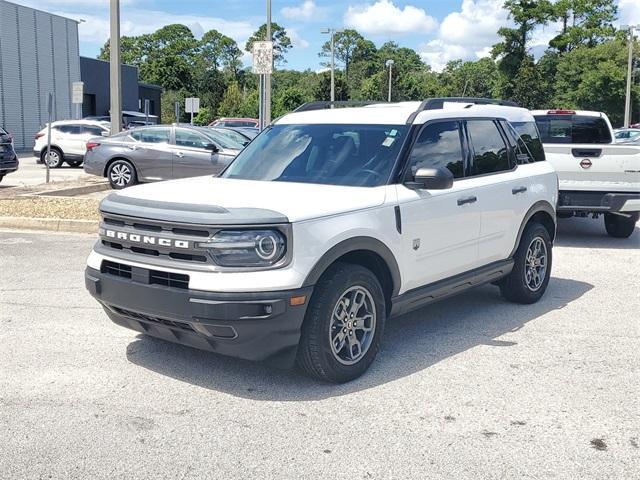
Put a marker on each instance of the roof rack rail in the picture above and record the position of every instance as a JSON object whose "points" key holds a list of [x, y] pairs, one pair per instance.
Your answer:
{"points": [[438, 103], [324, 104]]}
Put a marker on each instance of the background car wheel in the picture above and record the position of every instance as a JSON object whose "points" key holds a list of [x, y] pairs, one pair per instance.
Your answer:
{"points": [[618, 226], [529, 278], [343, 327], [55, 159], [121, 174], [1, 177], [75, 163]]}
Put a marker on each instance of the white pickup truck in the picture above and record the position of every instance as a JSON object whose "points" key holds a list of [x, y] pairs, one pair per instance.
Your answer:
{"points": [[596, 175]]}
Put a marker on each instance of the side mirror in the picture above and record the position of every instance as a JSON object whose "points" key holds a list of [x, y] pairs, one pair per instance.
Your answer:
{"points": [[432, 179], [212, 147]]}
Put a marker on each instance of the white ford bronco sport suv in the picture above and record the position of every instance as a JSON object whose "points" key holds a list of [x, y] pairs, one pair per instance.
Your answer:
{"points": [[330, 222], [596, 175]]}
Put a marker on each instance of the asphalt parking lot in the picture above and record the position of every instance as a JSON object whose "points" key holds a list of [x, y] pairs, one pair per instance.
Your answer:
{"points": [[31, 173], [472, 387]]}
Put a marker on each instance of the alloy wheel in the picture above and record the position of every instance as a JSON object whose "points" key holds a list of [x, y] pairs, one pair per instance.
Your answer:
{"points": [[120, 174], [535, 264], [353, 325]]}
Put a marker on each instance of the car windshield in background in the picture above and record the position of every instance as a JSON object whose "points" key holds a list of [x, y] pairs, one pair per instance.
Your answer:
{"points": [[232, 135], [349, 155], [220, 139], [573, 129]]}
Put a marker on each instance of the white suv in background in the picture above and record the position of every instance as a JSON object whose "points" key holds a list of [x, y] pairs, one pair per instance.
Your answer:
{"points": [[330, 222], [68, 141]]}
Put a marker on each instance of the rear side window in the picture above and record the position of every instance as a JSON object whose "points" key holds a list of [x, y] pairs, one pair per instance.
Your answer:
{"points": [[73, 129], [528, 141], [490, 153], [438, 145], [91, 130], [151, 135], [573, 129]]}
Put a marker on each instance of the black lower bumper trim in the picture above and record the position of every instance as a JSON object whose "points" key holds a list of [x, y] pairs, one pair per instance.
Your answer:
{"points": [[585, 201], [253, 326]]}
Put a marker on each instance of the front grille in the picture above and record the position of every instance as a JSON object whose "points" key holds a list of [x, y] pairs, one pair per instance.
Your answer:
{"points": [[116, 269], [155, 238], [168, 279], [145, 276], [152, 319]]}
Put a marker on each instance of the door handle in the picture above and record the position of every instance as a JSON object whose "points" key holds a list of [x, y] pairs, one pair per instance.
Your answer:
{"points": [[179, 154], [465, 200], [517, 190]]}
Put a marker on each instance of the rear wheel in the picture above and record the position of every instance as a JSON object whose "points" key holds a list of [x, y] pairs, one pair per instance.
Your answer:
{"points": [[619, 226], [1, 177], [343, 326], [121, 174], [55, 159], [531, 272]]}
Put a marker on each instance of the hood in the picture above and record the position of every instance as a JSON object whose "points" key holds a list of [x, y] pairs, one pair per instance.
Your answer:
{"points": [[231, 201]]}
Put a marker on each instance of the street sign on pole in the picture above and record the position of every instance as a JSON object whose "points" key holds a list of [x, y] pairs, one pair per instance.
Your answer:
{"points": [[77, 96], [262, 58], [192, 105]]}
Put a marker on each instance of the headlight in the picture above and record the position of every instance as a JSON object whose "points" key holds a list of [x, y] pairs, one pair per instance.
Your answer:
{"points": [[246, 248]]}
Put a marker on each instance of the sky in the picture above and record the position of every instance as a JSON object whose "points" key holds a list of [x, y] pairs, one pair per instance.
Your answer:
{"points": [[439, 30]]}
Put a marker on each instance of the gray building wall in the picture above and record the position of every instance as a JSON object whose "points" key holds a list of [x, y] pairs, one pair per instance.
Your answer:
{"points": [[39, 54], [95, 75]]}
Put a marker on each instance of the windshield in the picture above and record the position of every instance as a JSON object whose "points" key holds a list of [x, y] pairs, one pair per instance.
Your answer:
{"points": [[350, 155], [233, 136], [220, 139]]}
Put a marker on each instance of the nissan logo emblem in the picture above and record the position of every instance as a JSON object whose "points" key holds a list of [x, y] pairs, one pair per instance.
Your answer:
{"points": [[585, 163]]}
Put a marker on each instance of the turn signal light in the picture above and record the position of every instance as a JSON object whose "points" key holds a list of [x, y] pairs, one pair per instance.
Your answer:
{"points": [[297, 301]]}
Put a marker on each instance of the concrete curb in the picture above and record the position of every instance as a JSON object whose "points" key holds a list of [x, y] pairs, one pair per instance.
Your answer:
{"points": [[50, 224], [74, 191]]}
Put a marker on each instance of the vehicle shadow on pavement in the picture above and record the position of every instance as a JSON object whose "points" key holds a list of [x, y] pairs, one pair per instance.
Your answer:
{"points": [[411, 343], [590, 233]]}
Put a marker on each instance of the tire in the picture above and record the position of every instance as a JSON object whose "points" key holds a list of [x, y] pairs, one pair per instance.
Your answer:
{"points": [[56, 157], [531, 272], [618, 226], [1, 177], [342, 363], [121, 174], [75, 163]]}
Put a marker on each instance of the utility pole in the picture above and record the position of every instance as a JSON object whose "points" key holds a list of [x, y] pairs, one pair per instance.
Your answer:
{"points": [[389, 64], [627, 102], [332, 33], [267, 77], [114, 69]]}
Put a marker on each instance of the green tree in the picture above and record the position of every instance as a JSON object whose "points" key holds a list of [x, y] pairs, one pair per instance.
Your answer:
{"points": [[288, 100], [345, 44], [204, 117], [281, 41], [528, 89], [217, 51], [471, 78], [584, 22], [322, 90], [231, 102], [594, 79]]}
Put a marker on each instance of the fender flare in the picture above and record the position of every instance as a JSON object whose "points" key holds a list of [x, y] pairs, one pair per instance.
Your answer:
{"points": [[354, 244], [541, 206]]}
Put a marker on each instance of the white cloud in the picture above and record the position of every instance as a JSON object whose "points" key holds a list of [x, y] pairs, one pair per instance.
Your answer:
{"points": [[467, 34], [307, 10], [296, 40], [384, 17], [629, 11]]}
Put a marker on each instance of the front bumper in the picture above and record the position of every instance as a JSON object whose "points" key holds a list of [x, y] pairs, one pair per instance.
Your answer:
{"points": [[587, 201], [253, 326]]}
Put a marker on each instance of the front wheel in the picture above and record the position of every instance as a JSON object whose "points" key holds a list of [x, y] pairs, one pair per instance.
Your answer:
{"points": [[619, 226], [343, 327], [531, 272], [121, 174], [55, 159]]}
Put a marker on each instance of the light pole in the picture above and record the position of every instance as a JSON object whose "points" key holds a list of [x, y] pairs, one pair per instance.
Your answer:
{"points": [[267, 77], [389, 64], [627, 102], [114, 68], [332, 32]]}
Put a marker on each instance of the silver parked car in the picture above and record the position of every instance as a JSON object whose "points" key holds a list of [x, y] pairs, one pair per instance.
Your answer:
{"points": [[159, 152]]}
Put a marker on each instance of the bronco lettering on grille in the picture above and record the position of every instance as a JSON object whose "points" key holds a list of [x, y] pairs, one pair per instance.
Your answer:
{"points": [[144, 239]]}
